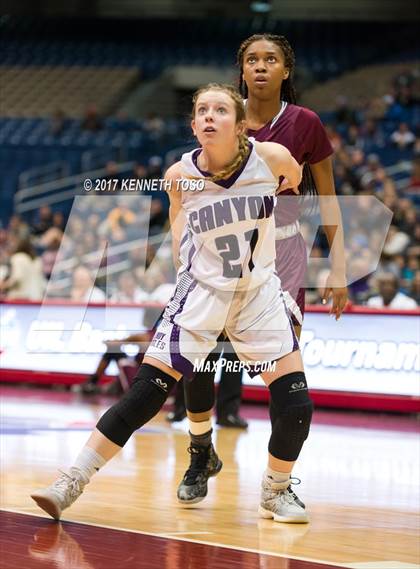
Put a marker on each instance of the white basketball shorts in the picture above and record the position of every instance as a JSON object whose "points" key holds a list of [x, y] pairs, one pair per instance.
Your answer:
{"points": [[256, 322]]}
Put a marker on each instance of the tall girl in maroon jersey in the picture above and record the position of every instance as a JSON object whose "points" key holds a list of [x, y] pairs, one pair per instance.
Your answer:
{"points": [[266, 64]]}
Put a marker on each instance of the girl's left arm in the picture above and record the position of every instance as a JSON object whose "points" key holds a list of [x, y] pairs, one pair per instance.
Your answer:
{"points": [[322, 173]]}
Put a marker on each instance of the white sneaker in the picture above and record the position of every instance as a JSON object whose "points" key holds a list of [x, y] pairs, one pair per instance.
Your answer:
{"points": [[281, 504], [60, 495]]}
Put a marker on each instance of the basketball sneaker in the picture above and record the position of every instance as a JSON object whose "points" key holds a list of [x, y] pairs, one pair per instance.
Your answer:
{"points": [[280, 503], [61, 494], [204, 464]]}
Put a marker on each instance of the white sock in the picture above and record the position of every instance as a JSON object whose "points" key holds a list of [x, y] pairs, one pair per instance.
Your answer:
{"points": [[271, 475], [87, 463], [199, 428]]}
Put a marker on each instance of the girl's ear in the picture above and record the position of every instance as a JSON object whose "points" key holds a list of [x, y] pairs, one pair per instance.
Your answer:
{"points": [[241, 127], [193, 127]]}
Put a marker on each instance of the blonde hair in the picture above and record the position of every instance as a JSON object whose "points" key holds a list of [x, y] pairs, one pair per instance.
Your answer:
{"points": [[240, 116]]}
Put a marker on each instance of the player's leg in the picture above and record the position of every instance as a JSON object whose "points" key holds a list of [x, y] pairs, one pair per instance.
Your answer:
{"points": [[204, 462], [229, 391], [178, 412], [298, 330], [263, 333], [138, 405], [292, 412]]}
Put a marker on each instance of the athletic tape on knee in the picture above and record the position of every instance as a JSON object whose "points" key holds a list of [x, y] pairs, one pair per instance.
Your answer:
{"points": [[145, 398], [291, 413]]}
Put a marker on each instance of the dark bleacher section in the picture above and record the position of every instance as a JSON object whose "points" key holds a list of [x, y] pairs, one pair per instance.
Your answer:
{"points": [[325, 48], [29, 143]]}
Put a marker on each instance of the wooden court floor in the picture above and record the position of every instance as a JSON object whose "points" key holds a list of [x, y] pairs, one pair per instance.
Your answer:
{"points": [[360, 482]]}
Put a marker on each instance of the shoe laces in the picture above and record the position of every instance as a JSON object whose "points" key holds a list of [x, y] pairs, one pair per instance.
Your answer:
{"points": [[295, 481], [67, 483], [199, 459], [286, 495]]}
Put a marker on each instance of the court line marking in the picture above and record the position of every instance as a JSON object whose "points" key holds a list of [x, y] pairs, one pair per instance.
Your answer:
{"points": [[170, 536], [382, 565]]}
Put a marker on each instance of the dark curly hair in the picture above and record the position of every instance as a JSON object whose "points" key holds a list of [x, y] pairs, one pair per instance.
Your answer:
{"points": [[287, 93]]}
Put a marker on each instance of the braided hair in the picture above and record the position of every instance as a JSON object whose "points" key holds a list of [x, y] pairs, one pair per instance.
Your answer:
{"points": [[240, 116], [287, 92]]}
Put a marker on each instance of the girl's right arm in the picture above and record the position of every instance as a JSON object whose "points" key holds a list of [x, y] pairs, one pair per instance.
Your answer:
{"points": [[176, 213], [281, 163]]}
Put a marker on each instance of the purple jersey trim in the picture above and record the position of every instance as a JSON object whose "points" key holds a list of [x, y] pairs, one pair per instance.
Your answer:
{"points": [[179, 363], [232, 178]]}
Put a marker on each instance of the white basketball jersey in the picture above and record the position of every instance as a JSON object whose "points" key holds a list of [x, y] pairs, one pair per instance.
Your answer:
{"points": [[229, 239]]}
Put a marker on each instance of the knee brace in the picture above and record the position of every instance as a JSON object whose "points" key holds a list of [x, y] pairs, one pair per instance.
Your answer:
{"points": [[291, 413], [199, 392], [143, 400]]}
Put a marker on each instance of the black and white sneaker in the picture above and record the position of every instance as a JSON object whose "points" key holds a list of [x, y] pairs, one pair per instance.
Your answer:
{"points": [[204, 464]]}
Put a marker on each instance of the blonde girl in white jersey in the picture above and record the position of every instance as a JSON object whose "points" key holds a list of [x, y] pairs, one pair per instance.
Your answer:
{"points": [[209, 301]]}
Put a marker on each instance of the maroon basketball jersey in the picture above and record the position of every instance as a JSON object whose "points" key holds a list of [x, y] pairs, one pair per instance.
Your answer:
{"points": [[302, 132]]}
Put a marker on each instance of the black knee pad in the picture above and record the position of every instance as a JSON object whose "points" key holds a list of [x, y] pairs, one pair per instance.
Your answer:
{"points": [[291, 413], [199, 392], [143, 400]]}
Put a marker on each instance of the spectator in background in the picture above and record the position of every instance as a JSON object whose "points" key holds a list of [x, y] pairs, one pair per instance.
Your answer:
{"points": [[415, 288], [83, 289], [128, 290], [43, 221], [5, 249], [17, 229], [120, 218], [376, 108], [158, 217], [389, 295], [49, 257], [140, 172], [154, 125], [25, 279], [58, 220], [371, 134], [344, 114], [92, 120], [403, 137], [414, 184], [411, 265], [354, 137], [396, 241], [154, 168]]}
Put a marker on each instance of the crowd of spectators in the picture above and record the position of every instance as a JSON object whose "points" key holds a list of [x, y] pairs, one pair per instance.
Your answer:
{"points": [[113, 246], [360, 131], [119, 244]]}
